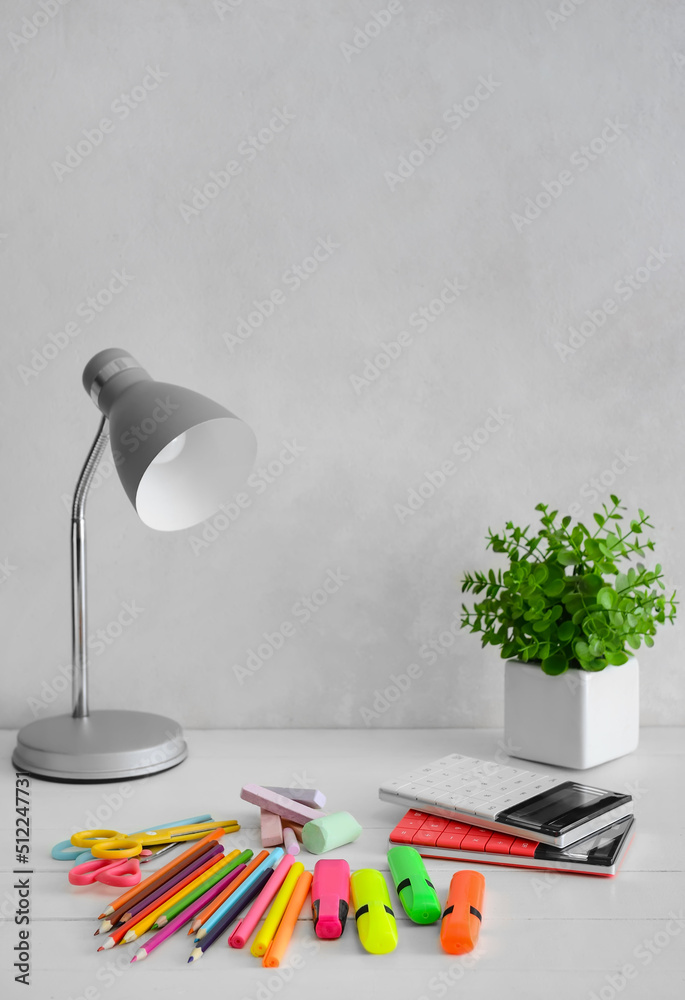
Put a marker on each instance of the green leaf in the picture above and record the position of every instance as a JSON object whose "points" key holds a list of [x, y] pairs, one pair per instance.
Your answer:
{"points": [[555, 664], [581, 649], [633, 641], [617, 659], [599, 519], [606, 597], [566, 631], [554, 588], [567, 558]]}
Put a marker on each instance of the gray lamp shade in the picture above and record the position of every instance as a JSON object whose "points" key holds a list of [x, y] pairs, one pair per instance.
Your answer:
{"points": [[179, 455]]}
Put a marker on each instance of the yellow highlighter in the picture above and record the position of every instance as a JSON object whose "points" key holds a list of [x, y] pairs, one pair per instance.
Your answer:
{"points": [[147, 921], [273, 918], [376, 924]]}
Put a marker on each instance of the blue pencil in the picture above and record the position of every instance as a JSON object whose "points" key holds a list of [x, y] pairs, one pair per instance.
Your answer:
{"points": [[268, 863], [230, 914]]}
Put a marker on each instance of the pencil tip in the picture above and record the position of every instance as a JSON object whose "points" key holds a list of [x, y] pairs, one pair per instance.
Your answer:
{"points": [[135, 958], [101, 948]]}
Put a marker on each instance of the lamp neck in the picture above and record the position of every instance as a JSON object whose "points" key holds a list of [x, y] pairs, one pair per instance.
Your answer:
{"points": [[79, 629]]}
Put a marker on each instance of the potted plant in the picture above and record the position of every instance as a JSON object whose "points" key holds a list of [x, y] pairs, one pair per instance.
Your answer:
{"points": [[568, 614]]}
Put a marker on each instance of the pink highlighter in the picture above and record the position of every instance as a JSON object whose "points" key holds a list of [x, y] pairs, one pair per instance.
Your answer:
{"points": [[330, 897]]}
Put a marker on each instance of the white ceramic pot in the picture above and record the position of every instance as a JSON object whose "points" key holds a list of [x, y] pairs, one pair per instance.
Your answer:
{"points": [[578, 719]]}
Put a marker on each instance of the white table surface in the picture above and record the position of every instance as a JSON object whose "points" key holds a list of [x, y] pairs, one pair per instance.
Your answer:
{"points": [[543, 936]]}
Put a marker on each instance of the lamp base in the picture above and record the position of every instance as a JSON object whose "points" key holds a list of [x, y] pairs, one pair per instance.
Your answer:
{"points": [[105, 746]]}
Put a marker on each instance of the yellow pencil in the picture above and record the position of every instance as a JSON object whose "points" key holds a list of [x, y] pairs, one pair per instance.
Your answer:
{"points": [[146, 923], [273, 919]]}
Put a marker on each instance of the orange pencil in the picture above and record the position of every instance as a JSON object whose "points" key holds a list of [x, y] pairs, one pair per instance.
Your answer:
{"points": [[152, 882], [216, 903], [278, 946], [197, 874]]}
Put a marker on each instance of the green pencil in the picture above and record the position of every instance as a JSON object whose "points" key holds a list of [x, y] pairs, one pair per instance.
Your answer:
{"points": [[199, 890]]}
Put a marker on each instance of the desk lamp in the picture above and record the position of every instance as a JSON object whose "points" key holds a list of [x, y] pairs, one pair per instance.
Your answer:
{"points": [[179, 455]]}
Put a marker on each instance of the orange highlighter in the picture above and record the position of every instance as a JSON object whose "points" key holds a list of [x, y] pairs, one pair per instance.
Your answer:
{"points": [[463, 913]]}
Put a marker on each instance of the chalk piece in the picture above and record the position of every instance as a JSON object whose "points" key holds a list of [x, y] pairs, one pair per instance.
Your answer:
{"points": [[329, 832], [305, 796], [290, 841], [279, 804], [295, 827], [272, 831]]}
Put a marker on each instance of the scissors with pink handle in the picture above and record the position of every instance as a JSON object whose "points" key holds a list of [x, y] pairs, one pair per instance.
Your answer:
{"points": [[125, 871]]}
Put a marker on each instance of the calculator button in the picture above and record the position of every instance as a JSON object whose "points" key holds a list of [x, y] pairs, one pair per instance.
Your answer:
{"points": [[425, 837], [523, 848], [411, 790], [413, 819], [451, 840], [499, 843], [454, 826], [435, 823], [476, 841], [402, 835]]}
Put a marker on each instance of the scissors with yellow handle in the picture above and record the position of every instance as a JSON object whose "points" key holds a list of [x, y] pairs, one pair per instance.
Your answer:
{"points": [[112, 844]]}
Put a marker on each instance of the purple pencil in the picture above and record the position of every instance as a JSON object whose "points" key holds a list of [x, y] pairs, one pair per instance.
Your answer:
{"points": [[214, 853], [185, 915]]}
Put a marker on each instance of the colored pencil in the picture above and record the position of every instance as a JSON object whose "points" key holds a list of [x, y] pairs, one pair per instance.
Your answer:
{"points": [[269, 862], [278, 907], [119, 933], [141, 926], [183, 917], [152, 881], [206, 858], [199, 866], [244, 928], [213, 906], [235, 860], [229, 915], [279, 945]]}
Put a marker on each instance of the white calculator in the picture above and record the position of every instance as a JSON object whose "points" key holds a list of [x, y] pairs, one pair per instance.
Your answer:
{"points": [[549, 810]]}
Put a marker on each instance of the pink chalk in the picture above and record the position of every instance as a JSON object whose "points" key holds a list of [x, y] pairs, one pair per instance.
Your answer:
{"points": [[272, 831], [279, 804], [290, 841]]}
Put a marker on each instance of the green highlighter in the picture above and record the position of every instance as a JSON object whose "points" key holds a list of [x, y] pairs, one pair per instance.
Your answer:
{"points": [[414, 889]]}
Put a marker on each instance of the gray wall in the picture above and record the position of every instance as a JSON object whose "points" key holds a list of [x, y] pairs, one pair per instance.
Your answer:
{"points": [[494, 381]]}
